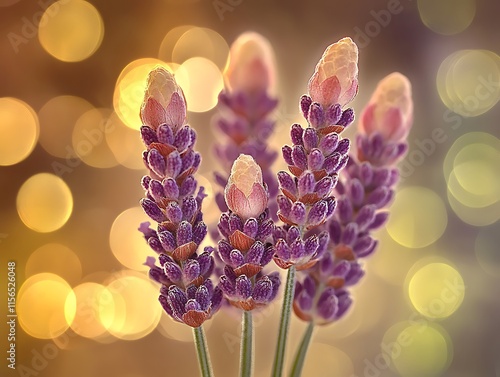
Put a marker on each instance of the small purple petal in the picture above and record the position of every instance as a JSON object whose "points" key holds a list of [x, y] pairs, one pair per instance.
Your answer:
{"points": [[152, 210]]}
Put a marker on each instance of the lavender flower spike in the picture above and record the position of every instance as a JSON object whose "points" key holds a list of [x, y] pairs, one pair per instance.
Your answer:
{"points": [[364, 194], [314, 160], [186, 294], [246, 229], [244, 108]]}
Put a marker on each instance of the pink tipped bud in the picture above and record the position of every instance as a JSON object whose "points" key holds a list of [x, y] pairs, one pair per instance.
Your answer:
{"points": [[163, 101], [335, 79], [390, 110], [245, 193], [251, 64]]}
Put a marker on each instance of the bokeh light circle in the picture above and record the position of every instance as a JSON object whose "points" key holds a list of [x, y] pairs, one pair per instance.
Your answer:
{"points": [[136, 310], [467, 81], [127, 243], [169, 41], [447, 16], [418, 217], [57, 118], [71, 31], [436, 290], [201, 42], [91, 300], [415, 350], [89, 138], [44, 202], [46, 306], [57, 259], [130, 87], [201, 81], [19, 131]]}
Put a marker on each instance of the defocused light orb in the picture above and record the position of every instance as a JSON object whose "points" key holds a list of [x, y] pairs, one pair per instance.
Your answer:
{"points": [[57, 118], [57, 259], [201, 81], [126, 144], [481, 216], [487, 250], [416, 349], [137, 311], [447, 16], [127, 243], [89, 138], [130, 87], [324, 360], [169, 41], [18, 131], [41, 306], [44, 202], [436, 290], [71, 31], [201, 42], [467, 81], [418, 217], [91, 300]]}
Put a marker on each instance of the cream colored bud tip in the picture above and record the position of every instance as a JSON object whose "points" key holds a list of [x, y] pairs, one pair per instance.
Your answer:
{"points": [[245, 172], [397, 84], [161, 85]]}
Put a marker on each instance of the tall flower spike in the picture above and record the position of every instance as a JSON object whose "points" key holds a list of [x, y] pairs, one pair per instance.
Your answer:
{"points": [[314, 160], [246, 229], [187, 293], [244, 108], [364, 194]]}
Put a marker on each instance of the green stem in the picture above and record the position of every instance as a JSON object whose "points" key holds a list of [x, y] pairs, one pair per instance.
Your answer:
{"points": [[284, 323], [246, 348], [298, 363], [202, 351]]}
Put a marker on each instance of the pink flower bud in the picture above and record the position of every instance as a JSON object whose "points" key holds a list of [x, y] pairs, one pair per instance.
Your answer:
{"points": [[251, 64], [390, 110], [335, 79], [245, 193], [164, 101]]}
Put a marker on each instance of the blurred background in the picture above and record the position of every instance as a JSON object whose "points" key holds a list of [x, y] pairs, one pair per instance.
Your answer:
{"points": [[72, 76]]}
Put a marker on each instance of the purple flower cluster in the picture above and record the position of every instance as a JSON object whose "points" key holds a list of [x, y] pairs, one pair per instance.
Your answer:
{"points": [[187, 294]]}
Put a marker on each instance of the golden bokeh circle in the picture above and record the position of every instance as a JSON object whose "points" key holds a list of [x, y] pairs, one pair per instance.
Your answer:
{"points": [[418, 217], [169, 41], [436, 290], [89, 138], [201, 81], [19, 130], [44, 202], [71, 30], [57, 118], [447, 16], [57, 259], [45, 306]]}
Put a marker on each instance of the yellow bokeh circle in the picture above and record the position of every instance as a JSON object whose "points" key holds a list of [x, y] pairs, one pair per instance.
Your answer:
{"points": [[418, 217], [18, 130], [71, 30], [414, 349], [201, 81], [136, 311], [46, 306], [44, 202], [169, 41], [57, 259], [436, 290], [127, 243], [447, 16]]}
